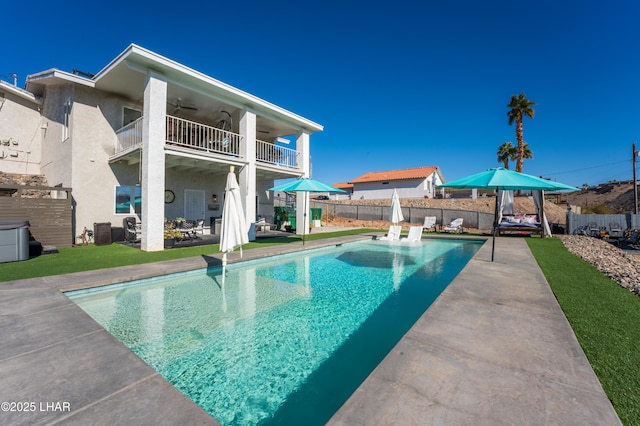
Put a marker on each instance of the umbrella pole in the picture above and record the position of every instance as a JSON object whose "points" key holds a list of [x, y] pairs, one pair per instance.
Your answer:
{"points": [[495, 228], [493, 244], [224, 267], [304, 216]]}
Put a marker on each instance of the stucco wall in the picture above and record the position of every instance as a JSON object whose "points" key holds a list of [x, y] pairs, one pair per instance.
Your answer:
{"points": [[93, 141], [178, 182], [265, 200], [56, 153], [19, 122], [81, 162]]}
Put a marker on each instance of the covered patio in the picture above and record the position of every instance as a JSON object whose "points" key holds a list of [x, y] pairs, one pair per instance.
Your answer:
{"points": [[183, 123]]}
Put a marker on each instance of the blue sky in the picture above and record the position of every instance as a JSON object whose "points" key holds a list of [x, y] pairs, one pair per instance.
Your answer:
{"points": [[396, 85]]}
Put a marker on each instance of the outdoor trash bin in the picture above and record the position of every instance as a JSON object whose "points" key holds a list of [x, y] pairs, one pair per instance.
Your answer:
{"points": [[102, 233], [316, 214], [14, 240]]}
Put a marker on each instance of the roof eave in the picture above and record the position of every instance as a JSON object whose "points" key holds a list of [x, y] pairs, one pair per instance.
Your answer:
{"points": [[54, 76], [24, 94], [142, 60]]}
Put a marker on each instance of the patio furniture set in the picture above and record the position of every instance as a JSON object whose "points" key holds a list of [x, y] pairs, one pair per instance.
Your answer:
{"points": [[181, 229], [520, 224], [614, 234], [455, 226], [190, 229], [415, 232]]}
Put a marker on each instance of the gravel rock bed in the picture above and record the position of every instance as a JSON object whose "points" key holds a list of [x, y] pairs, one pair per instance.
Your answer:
{"points": [[618, 265]]}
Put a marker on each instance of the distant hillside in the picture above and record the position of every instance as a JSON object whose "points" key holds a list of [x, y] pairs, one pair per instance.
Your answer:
{"points": [[610, 197]]}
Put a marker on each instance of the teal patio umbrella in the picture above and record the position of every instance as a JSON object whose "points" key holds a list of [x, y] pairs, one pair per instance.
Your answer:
{"points": [[500, 178], [505, 179], [305, 184]]}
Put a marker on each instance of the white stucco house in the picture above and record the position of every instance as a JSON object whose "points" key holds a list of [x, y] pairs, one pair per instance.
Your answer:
{"points": [[347, 187], [150, 137], [419, 182]]}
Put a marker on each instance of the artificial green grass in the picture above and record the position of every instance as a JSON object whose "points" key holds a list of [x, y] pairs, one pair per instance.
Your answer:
{"points": [[91, 257], [605, 318]]}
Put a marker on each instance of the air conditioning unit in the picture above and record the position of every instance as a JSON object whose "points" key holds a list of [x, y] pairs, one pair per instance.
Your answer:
{"points": [[14, 141], [5, 141], [13, 153], [2, 154]]}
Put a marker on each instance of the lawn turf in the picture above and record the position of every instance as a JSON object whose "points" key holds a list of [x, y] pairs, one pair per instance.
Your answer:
{"points": [[92, 257], [605, 318]]}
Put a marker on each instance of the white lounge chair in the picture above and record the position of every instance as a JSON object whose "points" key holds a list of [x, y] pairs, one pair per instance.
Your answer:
{"points": [[454, 226], [415, 235], [393, 234], [429, 223]]}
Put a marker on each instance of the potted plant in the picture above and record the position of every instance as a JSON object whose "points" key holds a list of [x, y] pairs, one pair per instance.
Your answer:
{"points": [[171, 235]]}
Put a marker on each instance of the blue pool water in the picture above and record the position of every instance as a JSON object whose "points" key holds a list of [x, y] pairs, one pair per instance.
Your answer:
{"points": [[283, 340]]}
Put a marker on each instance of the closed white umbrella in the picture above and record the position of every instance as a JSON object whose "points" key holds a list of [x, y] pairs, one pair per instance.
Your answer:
{"points": [[233, 228], [395, 213]]}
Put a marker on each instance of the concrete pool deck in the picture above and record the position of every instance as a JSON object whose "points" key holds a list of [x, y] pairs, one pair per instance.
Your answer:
{"points": [[494, 348]]}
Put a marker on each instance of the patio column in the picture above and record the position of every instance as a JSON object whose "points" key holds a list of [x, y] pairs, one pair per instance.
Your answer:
{"points": [[153, 137], [302, 199], [247, 176]]}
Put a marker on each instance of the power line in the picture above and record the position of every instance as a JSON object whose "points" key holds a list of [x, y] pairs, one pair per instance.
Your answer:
{"points": [[587, 168]]}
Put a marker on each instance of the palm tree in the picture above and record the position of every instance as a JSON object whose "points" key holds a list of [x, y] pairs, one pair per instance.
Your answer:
{"points": [[527, 154], [520, 107], [507, 152]]}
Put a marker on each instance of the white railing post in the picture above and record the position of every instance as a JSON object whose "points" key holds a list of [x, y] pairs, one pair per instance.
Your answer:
{"points": [[277, 155], [185, 133], [129, 136]]}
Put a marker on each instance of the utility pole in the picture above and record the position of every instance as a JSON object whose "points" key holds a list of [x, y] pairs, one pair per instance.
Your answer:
{"points": [[635, 182]]}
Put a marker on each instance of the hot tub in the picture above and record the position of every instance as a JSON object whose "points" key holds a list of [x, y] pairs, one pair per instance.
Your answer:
{"points": [[14, 240]]}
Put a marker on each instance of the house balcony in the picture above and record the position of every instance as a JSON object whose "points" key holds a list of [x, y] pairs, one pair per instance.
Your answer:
{"points": [[208, 142]]}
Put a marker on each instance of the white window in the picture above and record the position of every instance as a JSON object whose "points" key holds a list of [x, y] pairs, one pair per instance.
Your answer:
{"points": [[128, 200], [66, 119]]}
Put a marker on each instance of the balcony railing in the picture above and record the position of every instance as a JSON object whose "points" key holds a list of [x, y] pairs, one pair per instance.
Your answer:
{"points": [[277, 155], [130, 136], [203, 138]]}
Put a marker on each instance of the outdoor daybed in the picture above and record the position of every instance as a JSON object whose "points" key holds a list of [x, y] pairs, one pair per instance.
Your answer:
{"points": [[516, 224]]}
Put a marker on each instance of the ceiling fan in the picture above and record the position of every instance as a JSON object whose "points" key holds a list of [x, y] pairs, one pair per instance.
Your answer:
{"points": [[178, 106]]}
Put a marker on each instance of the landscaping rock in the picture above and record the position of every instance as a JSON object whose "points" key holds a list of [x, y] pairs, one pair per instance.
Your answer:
{"points": [[617, 264]]}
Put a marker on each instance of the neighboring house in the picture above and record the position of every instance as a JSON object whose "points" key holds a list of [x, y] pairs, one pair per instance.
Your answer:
{"points": [[150, 137], [420, 182], [347, 187], [20, 130]]}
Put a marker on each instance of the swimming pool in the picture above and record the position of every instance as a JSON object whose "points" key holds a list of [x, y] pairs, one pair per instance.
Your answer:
{"points": [[281, 340]]}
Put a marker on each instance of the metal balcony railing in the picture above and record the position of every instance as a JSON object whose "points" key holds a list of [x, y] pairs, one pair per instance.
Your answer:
{"points": [[269, 153], [130, 136], [201, 137]]}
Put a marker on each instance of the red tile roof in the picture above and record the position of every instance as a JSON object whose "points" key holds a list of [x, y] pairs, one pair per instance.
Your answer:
{"points": [[343, 185], [415, 173]]}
